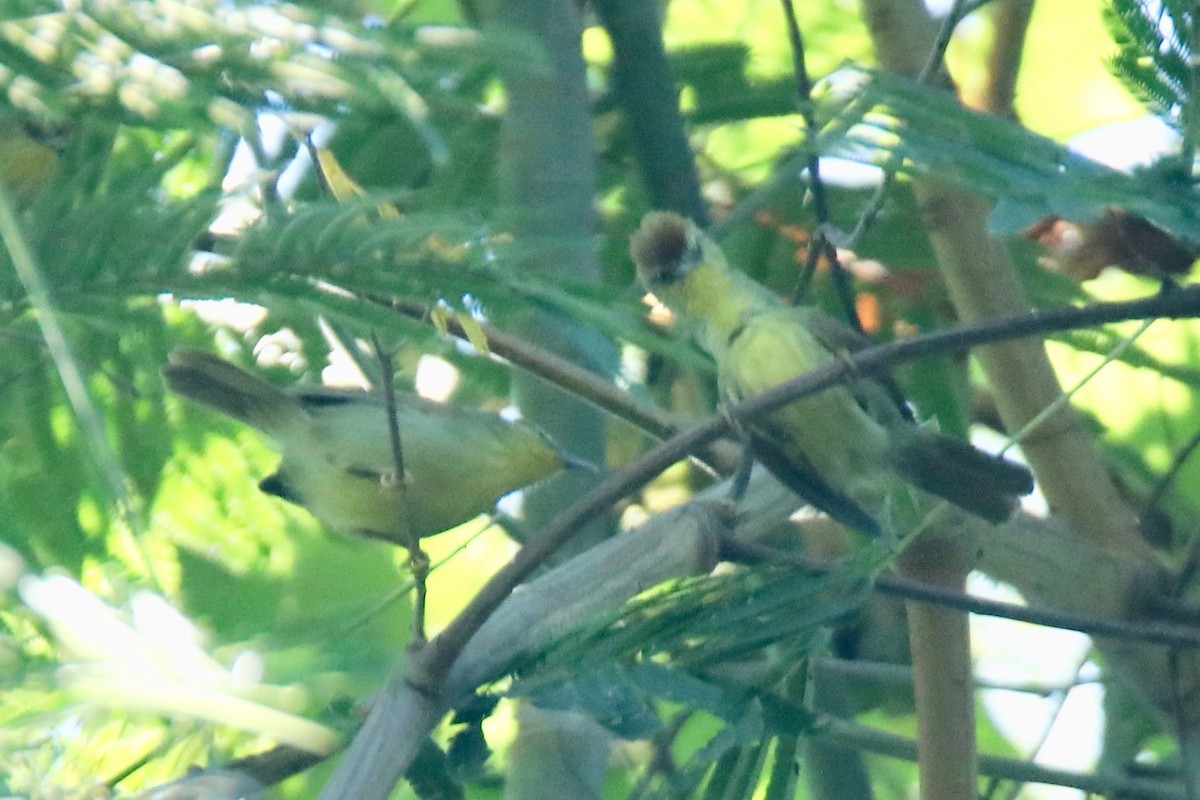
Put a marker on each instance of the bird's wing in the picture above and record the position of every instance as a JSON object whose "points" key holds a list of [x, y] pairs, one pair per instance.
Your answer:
{"points": [[880, 395], [771, 348]]}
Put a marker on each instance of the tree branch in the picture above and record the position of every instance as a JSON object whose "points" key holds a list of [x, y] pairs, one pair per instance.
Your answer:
{"points": [[643, 83], [983, 284], [546, 187], [940, 639], [1010, 22], [588, 386], [416, 691]]}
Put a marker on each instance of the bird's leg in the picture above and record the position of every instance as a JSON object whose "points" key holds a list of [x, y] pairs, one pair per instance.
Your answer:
{"points": [[741, 476], [418, 560]]}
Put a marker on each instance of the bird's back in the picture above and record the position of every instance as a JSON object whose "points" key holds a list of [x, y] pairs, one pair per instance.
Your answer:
{"points": [[830, 428]]}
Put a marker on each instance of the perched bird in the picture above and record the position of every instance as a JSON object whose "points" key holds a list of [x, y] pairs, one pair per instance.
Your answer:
{"points": [[337, 456], [849, 450]]}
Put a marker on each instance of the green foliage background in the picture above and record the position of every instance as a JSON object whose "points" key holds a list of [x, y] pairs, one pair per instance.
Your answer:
{"points": [[143, 106]]}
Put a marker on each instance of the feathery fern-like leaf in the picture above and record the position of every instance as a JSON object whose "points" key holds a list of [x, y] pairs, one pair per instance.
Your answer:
{"points": [[1154, 52]]}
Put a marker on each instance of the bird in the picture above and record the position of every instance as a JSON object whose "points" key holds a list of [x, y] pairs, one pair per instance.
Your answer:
{"points": [[850, 450], [337, 458]]}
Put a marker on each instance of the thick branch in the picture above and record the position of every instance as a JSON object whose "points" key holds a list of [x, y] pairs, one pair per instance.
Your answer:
{"points": [[941, 655], [444, 648], [1009, 25], [592, 585], [643, 83], [983, 284], [547, 192]]}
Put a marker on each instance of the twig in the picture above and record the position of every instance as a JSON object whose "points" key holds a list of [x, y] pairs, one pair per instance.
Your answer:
{"points": [[820, 244], [588, 386], [1144, 631], [395, 594], [901, 675], [1136, 631], [937, 53], [825, 239], [418, 560], [872, 360], [874, 206], [559, 371], [1059, 703], [1181, 458], [1065, 398]]}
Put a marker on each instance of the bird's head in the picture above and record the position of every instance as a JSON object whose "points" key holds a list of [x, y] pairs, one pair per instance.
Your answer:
{"points": [[666, 249], [687, 272]]}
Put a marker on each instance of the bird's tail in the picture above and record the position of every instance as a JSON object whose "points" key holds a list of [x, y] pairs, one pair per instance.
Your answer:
{"points": [[206, 379], [955, 470]]}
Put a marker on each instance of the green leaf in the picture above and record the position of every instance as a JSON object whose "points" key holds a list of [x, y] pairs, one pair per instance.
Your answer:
{"points": [[1154, 52], [888, 120], [612, 697]]}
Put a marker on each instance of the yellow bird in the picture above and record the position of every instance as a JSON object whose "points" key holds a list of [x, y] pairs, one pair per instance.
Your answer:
{"points": [[848, 450], [337, 458]]}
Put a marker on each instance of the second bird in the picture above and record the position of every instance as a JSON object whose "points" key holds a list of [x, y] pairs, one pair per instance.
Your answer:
{"points": [[337, 458]]}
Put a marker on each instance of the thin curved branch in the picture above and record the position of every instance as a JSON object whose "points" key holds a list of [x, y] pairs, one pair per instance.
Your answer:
{"points": [[580, 382], [443, 649], [435, 661], [1133, 631], [820, 245]]}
